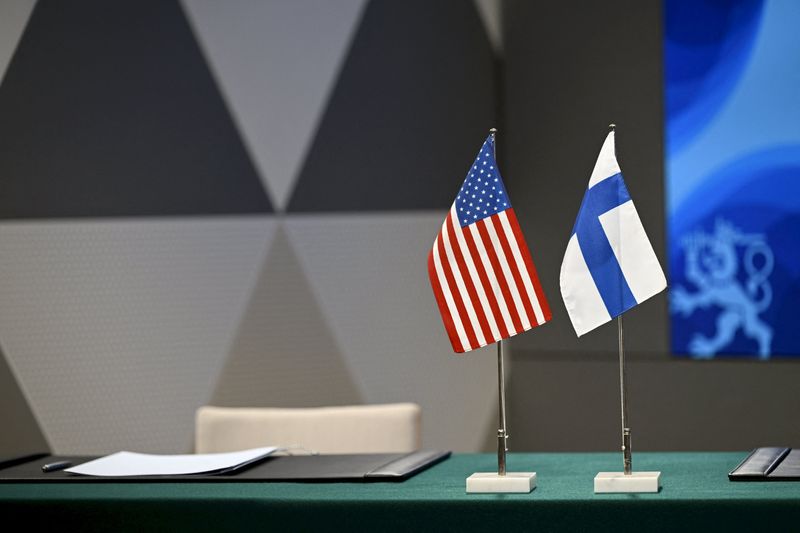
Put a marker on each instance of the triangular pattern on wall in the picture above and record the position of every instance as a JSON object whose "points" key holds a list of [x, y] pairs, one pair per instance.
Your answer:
{"points": [[414, 101], [22, 433], [368, 273], [13, 18], [109, 109], [284, 354], [117, 330], [276, 105]]}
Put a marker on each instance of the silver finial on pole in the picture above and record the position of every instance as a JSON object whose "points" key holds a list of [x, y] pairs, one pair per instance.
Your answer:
{"points": [[502, 435], [626, 432], [612, 127]]}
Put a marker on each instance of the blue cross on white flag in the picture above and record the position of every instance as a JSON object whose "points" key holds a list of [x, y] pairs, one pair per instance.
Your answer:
{"points": [[609, 265]]}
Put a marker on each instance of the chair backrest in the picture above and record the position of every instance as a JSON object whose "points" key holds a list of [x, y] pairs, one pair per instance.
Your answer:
{"points": [[384, 428]]}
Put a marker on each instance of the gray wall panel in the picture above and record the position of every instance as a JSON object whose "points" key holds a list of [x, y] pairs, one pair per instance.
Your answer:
{"points": [[414, 101], [370, 277], [276, 64], [284, 354], [118, 329], [109, 109]]}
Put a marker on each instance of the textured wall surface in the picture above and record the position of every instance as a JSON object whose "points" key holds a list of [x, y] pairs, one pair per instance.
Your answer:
{"points": [[232, 205]]}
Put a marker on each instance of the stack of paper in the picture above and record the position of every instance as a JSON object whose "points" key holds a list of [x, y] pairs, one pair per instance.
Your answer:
{"points": [[143, 464]]}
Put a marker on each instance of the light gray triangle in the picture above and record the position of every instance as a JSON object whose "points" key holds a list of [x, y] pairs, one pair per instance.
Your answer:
{"points": [[117, 329], [369, 273], [492, 17], [276, 64], [14, 17], [284, 354]]}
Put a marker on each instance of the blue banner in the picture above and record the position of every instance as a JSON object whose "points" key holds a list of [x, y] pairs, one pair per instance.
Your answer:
{"points": [[732, 144]]}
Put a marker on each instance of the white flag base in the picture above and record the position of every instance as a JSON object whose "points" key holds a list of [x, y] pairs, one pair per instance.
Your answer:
{"points": [[606, 482], [488, 482]]}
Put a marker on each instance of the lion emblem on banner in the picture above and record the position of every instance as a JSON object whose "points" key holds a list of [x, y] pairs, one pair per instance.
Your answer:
{"points": [[713, 265]]}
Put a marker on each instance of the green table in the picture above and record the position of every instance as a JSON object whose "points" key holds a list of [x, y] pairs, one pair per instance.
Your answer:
{"points": [[695, 495]]}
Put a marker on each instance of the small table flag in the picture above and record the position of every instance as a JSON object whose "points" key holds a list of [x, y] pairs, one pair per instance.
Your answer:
{"points": [[609, 265], [480, 268]]}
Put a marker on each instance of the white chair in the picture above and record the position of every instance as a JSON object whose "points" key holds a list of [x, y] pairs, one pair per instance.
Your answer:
{"points": [[386, 428]]}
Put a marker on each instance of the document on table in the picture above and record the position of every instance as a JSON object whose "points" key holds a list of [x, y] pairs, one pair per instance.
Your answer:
{"points": [[143, 464]]}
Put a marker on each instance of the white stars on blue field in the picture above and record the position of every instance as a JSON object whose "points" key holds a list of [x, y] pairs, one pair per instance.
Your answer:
{"points": [[483, 193]]}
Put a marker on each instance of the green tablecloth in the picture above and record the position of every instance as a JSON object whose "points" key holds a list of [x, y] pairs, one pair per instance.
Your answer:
{"points": [[695, 494]]}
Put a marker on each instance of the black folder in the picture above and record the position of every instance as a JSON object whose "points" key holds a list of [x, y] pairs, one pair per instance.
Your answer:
{"points": [[300, 468], [768, 464]]}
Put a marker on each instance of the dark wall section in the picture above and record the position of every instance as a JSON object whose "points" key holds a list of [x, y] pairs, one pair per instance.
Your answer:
{"points": [[571, 68], [109, 109], [573, 405], [414, 100]]}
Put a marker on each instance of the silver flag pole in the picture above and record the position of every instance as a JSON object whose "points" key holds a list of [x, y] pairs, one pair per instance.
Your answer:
{"points": [[626, 431], [502, 435]]}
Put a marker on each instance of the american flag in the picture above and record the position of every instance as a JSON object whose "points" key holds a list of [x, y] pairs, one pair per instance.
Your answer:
{"points": [[480, 268]]}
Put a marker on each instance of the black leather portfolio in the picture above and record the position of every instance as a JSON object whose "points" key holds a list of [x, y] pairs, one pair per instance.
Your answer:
{"points": [[302, 468], [768, 464]]}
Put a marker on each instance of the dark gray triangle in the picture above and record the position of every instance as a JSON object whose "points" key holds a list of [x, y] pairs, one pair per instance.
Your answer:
{"points": [[412, 105], [109, 109], [21, 433], [284, 354]]}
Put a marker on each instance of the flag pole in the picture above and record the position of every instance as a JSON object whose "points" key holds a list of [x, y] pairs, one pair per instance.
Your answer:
{"points": [[502, 434], [626, 431], [502, 481]]}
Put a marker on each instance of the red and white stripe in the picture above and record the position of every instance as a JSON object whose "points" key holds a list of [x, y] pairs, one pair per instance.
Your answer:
{"points": [[484, 281]]}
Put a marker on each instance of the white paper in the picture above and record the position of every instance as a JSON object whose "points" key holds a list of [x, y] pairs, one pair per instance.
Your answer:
{"points": [[143, 464]]}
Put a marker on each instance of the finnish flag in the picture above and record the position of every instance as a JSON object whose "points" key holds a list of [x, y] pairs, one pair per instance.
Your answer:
{"points": [[609, 265]]}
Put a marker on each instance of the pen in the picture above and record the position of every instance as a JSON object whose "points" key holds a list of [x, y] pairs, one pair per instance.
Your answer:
{"points": [[52, 467]]}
